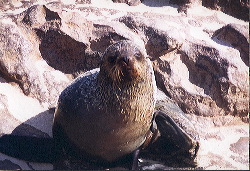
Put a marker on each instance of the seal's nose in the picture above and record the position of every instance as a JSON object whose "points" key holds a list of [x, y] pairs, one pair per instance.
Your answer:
{"points": [[126, 60]]}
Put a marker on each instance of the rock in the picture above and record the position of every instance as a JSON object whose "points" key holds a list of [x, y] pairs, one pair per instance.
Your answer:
{"points": [[235, 36], [22, 115], [83, 1], [209, 86], [241, 146], [8, 122], [200, 59], [35, 38], [8, 165], [236, 8], [129, 2], [241, 150], [218, 141], [215, 73], [21, 62], [184, 5]]}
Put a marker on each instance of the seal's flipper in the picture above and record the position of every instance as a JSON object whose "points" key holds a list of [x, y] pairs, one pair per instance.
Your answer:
{"points": [[135, 160], [173, 132], [177, 129], [28, 148]]}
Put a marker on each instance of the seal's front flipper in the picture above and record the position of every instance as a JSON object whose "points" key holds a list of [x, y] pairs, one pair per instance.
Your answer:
{"points": [[135, 157], [28, 148]]}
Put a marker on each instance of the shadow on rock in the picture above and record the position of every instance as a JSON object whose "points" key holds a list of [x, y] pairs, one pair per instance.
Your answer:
{"points": [[158, 3], [232, 36], [27, 142]]}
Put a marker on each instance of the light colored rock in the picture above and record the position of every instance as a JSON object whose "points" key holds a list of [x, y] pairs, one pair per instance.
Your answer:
{"points": [[21, 62], [129, 2], [221, 149], [202, 74], [200, 60]]}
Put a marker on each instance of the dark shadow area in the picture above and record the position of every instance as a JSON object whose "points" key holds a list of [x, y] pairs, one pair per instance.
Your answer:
{"points": [[29, 148], [8, 165], [168, 153], [235, 8], [43, 121], [62, 52], [159, 3], [26, 142], [157, 42], [229, 36], [51, 15]]}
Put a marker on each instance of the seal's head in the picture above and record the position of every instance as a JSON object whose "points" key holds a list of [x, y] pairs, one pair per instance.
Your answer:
{"points": [[124, 62]]}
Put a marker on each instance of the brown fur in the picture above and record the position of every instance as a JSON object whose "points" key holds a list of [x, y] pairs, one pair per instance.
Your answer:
{"points": [[108, 113]]}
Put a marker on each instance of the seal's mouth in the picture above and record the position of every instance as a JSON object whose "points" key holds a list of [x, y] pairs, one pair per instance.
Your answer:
{"points": [[124, 69], [127, 66]]}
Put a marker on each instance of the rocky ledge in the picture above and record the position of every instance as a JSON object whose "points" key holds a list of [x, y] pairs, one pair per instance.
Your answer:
{"points": [[200, 58]]}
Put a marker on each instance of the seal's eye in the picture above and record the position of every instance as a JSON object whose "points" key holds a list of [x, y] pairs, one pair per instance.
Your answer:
{"points": [[112, 59], [138, 55]]}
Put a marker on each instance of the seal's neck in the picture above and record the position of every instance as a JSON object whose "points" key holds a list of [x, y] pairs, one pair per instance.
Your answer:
{"points": [[125, 101], [123, 85], [127, 91]]}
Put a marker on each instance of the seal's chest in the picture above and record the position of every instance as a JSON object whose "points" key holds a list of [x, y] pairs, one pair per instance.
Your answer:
{"points": [[129, 104]]}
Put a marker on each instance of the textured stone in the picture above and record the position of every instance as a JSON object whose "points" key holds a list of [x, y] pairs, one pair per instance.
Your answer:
{"points": [[129, 2], [236, 8], [235, 36], [21, 62], [7, 122], [200, 77], [241, 146], [201, 62]]}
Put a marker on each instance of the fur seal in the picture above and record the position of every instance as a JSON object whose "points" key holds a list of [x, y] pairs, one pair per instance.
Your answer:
{"points": [[106, 113], [106, 116]]}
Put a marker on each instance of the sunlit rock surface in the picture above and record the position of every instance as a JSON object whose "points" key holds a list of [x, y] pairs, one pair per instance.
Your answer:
{"points": [[200, 57]]}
